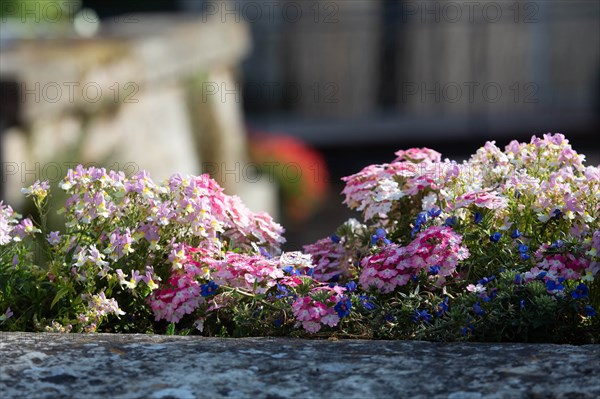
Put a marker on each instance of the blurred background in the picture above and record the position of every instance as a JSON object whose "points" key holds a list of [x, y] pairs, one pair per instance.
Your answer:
{"points": [[280, 99]]}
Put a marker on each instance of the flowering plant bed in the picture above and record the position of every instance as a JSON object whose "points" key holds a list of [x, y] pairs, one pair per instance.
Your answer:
{"points": [[502, 247]]}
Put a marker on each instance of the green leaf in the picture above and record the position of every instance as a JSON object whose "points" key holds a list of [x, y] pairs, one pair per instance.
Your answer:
{"points": [[171, 329], [59, 295]]}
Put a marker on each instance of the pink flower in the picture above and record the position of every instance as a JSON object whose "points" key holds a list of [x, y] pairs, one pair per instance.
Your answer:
{"points": [[312, 314], [394, 265], [328, 257], [417, 155]]}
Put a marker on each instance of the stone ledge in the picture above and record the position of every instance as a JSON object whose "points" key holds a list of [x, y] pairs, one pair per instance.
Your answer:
{"points": [[141, 366]]}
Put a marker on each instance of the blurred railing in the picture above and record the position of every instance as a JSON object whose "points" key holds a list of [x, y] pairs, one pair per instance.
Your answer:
{"points": [[396, 68]]}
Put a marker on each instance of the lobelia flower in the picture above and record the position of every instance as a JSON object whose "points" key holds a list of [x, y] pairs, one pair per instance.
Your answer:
{"points": [[580, 292], [478, 310], [421, 315], [495, 237], [351, 286], [343, 307], [518, 279], [379, 236], [589, 311], [208, 289], [442, 307], [365, 301]]}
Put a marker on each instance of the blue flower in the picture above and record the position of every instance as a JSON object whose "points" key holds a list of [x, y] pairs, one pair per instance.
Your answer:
{"points": [[523, 251], [486, 298], [557, 214], [467, 329], [343, 307], [518, 279], [451, 221], [264, 252], [495, 237], [589, 311], [477, 309], [434, 270], [291, 270], [557, 244], [541, 275], [278, 322], [517, 194], [365, 300], [421, 315], [486, 280], [442, 307], [522, 303], [477, 218], [389, 317], [433, 212], [421, 218], [552, 285], [208, 289], [581, 291], [516, 234], [335, 238], [283, 291], [415, 230], [351, 286], [379, 236]]}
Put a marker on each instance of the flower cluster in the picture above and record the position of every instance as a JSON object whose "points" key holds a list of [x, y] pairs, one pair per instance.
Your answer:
{"points": [[436, 250], [125, 236], [98, 306], [12, 227], [324, 306], [329, 257], [530, 209], [504, 246]]}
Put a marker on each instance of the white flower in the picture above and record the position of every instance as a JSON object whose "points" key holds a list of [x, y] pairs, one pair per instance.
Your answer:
{"points": [[296, 259], [429, 201], [387, 190]]}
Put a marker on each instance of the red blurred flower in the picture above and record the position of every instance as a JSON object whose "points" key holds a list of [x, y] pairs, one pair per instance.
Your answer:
{"points": [[299, 169]]}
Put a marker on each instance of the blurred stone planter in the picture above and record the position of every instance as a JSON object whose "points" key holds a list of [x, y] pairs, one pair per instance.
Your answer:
{"points": [[124, 100]]}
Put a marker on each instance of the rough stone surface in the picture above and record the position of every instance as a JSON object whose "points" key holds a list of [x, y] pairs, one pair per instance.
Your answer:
{"points": [[161, 367]]}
